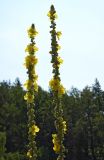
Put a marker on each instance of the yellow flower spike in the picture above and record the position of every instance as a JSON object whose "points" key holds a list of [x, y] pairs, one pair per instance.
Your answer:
{"points": [[34, 129], [56, 87], [32, 87], [32, 32], [58, 34], [29, 97]]}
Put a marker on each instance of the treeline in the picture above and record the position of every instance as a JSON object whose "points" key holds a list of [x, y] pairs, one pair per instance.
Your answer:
{"points": [[83, 111]]}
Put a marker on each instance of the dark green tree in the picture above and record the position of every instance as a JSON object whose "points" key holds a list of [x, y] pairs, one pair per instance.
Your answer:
{"points": [[2, 145]]}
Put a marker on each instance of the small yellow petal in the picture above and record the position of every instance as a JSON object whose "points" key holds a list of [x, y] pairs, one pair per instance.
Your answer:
{"points": [[49, 14], [29, 97], [58, 47], [29, 154], [36, 129], [61, 90], [60, 61], [59, 33], [54, 135], [55, 15]]}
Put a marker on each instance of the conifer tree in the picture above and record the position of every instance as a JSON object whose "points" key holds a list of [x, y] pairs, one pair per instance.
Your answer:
{"points": [[2, 145]]}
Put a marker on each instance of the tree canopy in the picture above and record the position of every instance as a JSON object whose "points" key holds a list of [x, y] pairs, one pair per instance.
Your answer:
{"points": [[83, 112]]}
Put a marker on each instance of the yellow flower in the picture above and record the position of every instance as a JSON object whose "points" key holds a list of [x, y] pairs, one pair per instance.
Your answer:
{"points": [[28, 84], [55, 141], [30, 60], [60, 61], [58, 47], [31, 48], [32, 32], [54, 136], [61, 90], [29, 97], [33, 73], [58, 34], [55, 15], [35, 77], [51, 15], [34, 129], [29, 154], [54, 84], [35, 87], [35, 49], [56, 148]]}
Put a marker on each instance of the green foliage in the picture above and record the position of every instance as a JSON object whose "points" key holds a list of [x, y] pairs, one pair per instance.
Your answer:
{"points": [[13, 156], [2, 145], [83, 111]]}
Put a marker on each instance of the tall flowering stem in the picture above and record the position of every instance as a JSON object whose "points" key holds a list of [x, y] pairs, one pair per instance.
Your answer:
{"points": [[57, 88], [32, 89]]}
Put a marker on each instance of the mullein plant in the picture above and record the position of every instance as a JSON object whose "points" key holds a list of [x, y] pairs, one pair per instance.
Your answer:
{"points": [[57, 88], [31, 91]]}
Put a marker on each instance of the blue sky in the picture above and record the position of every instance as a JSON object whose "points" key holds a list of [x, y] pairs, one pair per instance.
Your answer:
{"points": [[82, 42]]}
